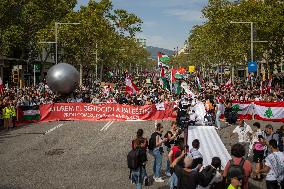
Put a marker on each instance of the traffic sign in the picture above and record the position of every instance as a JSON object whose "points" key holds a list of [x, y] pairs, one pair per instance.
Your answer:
{"points": [[252, 67]]}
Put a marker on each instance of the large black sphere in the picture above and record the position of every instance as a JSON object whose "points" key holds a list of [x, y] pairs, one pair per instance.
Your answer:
{"points": [[62, 78]]}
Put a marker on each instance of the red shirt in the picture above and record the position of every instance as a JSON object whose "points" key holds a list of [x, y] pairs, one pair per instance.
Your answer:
{"points": [[175, 149], [247, 170]]}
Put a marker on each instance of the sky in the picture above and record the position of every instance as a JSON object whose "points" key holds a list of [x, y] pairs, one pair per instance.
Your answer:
{"points": [[167, 23]]}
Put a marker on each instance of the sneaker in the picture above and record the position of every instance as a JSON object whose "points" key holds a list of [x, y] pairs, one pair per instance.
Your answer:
{"points": [[168, 174], [159, 179]]}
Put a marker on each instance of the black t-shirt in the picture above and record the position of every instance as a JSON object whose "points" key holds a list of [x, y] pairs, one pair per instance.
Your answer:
{"points": [[186, 180]]}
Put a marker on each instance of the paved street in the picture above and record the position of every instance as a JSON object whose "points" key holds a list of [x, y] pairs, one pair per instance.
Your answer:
{"points": [[72, 155]]}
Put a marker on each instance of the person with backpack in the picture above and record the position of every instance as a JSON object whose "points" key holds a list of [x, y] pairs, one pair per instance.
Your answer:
{"points": [[211, 175], [156, 150], [136, 161], [144, 146], [238, 166], [274, 167]]}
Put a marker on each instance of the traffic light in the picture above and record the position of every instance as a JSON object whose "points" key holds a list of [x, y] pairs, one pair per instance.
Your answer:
{"points": [[16, 77]]}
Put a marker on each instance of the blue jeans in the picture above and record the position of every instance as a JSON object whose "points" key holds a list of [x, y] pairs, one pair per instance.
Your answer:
{"points": [[218, 122], [173, 181], [137, 177], [157, 166], [168, 162]]}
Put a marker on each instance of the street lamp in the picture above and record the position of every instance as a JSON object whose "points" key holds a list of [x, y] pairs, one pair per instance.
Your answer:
{"points": [[57, 24], [251, 37]]}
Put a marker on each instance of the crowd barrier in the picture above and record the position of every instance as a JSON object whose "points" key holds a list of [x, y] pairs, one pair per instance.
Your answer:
{"points": [[267, 111]]}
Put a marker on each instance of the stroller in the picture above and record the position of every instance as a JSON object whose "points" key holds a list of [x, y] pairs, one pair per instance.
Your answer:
{"points": [[208, 119]]}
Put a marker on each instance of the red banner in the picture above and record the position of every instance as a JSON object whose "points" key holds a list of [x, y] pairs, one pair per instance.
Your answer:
{"points": [[104, 112]]}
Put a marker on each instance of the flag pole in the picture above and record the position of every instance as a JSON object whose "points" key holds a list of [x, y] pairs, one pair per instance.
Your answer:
{"points": [[172, 78]]}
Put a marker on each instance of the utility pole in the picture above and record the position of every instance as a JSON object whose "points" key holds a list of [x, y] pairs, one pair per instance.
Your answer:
{"points": [[57, 24], [251, 40]]}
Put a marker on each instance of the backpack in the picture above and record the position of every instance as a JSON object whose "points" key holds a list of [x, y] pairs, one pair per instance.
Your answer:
{"points": [[133, 159], [152, 141], [206, 175], [235, 170]]}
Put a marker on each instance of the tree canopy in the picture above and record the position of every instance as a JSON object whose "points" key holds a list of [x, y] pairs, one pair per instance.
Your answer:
{"points": [[219, 41], [104, 34]]}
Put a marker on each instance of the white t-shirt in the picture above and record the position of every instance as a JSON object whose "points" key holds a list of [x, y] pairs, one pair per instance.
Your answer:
{"points": [[194, 153], [275, 161], [243, 133]]}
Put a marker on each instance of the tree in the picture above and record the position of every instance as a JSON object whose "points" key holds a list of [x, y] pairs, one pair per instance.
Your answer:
{"points": [[104, 37], [218, 41], [20, 20]]}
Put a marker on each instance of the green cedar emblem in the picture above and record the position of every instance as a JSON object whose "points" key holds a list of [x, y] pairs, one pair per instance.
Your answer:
{"points": [[268, 113]]}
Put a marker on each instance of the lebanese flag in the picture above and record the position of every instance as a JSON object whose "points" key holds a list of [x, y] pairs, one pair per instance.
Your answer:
{"points": [[1, 86], [131, 88], [244, 109], [269, 111]]}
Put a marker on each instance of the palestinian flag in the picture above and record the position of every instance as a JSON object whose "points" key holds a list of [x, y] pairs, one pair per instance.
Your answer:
{"points": [[163, 60], [163, 79], [29, 114], [244, 109], [269, 111]]}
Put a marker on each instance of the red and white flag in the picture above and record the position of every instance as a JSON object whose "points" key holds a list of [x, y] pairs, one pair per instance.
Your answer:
{"points": [[131, 88], [1, 86], [228, 84], [269, 86]]}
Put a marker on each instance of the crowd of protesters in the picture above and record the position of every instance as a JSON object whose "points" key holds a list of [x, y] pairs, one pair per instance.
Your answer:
{"points": [[214, 95], [185, 168]]}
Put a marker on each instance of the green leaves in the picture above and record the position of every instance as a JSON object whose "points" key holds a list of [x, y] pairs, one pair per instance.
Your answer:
{"points": [[220, 41]]}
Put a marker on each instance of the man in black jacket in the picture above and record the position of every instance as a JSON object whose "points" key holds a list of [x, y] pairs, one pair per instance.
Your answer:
{"points": [[187, 177]]}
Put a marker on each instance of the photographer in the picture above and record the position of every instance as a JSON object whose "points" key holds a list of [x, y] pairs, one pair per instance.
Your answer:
{"points": [[172, 137], [187, 176], [173, 154], [182, 113]]}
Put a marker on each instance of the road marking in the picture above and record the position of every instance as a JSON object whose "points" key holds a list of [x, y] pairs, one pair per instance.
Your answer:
{"points": [[52, 129], [107, 125], [135, 120]]}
